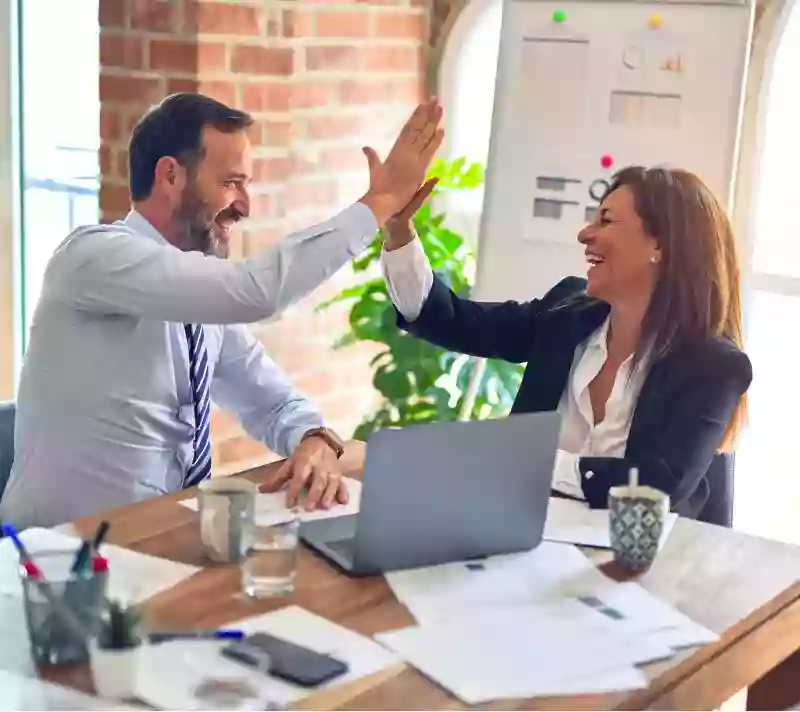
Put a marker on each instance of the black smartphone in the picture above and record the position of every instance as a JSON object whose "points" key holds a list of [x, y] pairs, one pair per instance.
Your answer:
{"points": [[288, 661]]}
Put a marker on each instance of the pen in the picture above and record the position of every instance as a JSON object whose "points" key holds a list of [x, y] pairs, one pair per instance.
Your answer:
{"points": [[100, 534], [24, 556], [87, 547], [81, 557], [163, 636]]}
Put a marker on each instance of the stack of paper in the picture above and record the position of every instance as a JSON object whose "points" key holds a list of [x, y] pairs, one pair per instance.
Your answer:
{"points": [[554, 649], [573, 522], [545, 622], [271, 506], [132, 576]]}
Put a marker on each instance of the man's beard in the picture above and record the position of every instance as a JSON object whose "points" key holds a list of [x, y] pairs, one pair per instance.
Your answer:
{"points": [[196, 225]]}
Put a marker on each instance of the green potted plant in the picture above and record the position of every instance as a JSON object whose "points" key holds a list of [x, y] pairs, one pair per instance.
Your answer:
{"points": [[114, 652], [419, 382]]}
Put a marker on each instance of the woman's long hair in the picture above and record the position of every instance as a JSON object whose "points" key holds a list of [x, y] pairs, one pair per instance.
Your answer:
{"points": [[697, 295]]}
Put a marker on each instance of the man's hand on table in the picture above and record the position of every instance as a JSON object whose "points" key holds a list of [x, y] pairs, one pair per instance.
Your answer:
{"points": [[312, 468]]}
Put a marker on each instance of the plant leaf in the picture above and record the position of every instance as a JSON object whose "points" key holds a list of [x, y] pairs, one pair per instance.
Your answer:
{"points": [[419, 382]]}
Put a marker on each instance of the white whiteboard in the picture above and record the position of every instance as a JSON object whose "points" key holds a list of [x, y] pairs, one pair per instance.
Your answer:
{"points": [[586, 80]]}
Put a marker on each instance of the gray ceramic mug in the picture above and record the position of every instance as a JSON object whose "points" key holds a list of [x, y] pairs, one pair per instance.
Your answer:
{"points": [[637, 516], [227, 511]]}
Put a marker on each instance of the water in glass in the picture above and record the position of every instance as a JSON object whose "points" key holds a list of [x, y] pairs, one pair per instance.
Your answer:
{"points": [[270, 566]]}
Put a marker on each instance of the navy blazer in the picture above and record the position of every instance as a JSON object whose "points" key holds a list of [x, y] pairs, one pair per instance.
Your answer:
{"points": [[685, 403]]}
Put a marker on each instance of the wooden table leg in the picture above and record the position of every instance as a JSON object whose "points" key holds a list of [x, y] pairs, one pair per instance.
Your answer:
{"points": [[779, 689]]}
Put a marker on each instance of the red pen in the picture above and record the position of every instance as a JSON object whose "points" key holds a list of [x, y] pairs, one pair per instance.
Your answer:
{"points": [[99, 564], [31, 569]]}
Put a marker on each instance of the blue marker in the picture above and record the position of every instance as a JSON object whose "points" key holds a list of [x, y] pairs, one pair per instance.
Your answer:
{"points": [[162, 637], [12, 534]]}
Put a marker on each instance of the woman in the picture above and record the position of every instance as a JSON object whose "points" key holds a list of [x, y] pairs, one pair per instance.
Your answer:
{"points": [[642, 359]]}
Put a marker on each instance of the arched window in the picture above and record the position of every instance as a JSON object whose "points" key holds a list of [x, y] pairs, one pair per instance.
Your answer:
{"points": [[767, 486], [466, 84]]}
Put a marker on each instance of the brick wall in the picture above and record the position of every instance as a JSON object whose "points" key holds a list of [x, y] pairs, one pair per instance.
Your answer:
{"points": [[321, 79]]}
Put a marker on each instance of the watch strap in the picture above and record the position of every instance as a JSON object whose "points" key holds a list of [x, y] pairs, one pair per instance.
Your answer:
{"points": [[331, 438]]}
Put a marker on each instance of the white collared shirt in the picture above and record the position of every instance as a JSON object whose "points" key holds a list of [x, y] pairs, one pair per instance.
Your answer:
{"points": [[105, 414], [409, 279]]}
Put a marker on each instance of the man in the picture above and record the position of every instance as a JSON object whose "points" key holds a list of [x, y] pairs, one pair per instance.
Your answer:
{"points": [[139, 322]]}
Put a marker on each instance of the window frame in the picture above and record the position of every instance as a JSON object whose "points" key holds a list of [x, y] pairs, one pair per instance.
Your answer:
{"points": [[11, 227], [768, 34]]}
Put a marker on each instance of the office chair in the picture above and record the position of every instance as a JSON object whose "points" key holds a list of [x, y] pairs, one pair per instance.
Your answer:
{"points": [[8, 412], [719, 507]]}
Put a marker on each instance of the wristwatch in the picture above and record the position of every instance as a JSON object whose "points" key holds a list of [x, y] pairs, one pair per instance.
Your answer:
{"points": [[331, 438]]}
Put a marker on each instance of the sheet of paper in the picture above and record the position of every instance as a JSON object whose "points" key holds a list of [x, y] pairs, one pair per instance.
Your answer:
{"points": [[271, 506], [189, 666], [363, 655], [553, 649], [175, 671], [132, 576], [549, 572], [552, 78], [641, 612], [572, 522], [19, 692], [194, 675]]}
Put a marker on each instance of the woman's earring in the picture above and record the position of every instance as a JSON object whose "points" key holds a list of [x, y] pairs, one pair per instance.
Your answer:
{"points": [[654, 259]]}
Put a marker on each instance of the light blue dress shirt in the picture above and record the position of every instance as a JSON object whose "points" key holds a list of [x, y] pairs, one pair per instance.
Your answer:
{"points": [[105, 414]]}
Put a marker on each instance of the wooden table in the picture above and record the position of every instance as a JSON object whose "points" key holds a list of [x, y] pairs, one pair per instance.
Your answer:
{"points": [[744, 588]]}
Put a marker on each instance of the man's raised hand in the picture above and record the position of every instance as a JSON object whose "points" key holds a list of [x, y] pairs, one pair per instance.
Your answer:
{"points": [[393, 183]]}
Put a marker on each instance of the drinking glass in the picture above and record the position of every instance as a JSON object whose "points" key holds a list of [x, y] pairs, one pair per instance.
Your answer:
{"points": [[271, 562]]}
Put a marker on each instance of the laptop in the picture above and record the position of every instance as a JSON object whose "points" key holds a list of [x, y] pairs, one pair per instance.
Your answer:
{"points": [[443, 492]]}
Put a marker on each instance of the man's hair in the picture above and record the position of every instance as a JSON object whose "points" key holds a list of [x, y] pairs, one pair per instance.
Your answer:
{"points": [[175, 128]]}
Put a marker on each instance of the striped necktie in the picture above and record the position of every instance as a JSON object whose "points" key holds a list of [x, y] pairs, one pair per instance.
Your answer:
{"points": [[201, 394]]}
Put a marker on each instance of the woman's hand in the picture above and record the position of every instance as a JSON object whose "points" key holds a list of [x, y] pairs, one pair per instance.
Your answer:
{"points": [[399, 231]]}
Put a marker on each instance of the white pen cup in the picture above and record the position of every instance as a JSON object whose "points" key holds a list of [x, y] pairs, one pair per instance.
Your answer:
{"points": [[227, 509]]}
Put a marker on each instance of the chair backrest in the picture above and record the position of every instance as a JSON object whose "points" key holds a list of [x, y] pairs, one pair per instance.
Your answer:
{"points": [[719, 507], [8, 412]]}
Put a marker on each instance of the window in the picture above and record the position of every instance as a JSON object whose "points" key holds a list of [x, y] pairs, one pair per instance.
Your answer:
{"points": [[10, 341], [767, 484], [60, 119], [467, 80]]}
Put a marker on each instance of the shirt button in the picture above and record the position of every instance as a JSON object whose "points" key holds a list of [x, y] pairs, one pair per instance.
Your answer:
{"points": [[589, 475]]}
